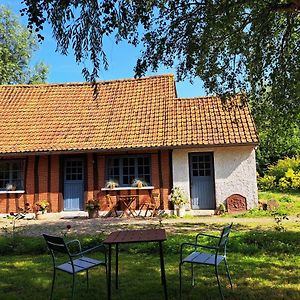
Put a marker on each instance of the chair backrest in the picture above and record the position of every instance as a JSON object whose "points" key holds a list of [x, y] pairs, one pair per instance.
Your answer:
{"points": [[155, 198], [56, 244], [224, 236]]}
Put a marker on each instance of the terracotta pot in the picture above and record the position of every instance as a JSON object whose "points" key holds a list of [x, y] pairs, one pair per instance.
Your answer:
{"points": [[93, 213], [180, 211], [41, 216], [140, 185]]}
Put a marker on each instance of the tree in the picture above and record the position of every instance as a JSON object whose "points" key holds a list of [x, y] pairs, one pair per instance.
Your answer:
{"points": [[233, 45], [16, 47], [276, 141]]}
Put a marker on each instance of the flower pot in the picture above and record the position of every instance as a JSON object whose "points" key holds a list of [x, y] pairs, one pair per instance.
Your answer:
{"points": [[180, 211], [140, 185], [93, 213], [41, 215]]}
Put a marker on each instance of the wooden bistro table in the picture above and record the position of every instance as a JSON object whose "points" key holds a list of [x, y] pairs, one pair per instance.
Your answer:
{"points": [[135, 236]]}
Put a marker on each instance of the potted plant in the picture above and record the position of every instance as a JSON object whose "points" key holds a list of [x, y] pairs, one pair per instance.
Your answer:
{"points": [[41, 209], [179, 199], [111, 184], [138, 183], [93, 206], [11, 187]]}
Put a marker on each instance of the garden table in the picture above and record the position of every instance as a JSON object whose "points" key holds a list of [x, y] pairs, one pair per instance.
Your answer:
{"points": [[135, 236]]}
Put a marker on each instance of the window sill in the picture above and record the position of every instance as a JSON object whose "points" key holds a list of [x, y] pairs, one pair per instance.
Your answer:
{"points": [[128, 188], [12, 192]]}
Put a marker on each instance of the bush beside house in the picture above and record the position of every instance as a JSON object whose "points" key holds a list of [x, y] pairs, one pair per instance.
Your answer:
{"points": [[284, 175]]}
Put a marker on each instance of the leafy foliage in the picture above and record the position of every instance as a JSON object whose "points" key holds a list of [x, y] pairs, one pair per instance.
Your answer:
{"points": [[266, 182], [16, 47], [279, 135], [284, 175], [283, 165], [234, 45], [178, 196]]}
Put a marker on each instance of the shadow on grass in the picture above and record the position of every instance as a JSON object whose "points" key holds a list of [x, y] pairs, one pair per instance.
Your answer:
{"points": [[254, 277]]}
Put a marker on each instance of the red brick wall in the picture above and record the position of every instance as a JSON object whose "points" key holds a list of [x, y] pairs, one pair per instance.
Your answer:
{"points": [[42, 178], [54, 193], [165, 170], [89, 193], [48, 182]]}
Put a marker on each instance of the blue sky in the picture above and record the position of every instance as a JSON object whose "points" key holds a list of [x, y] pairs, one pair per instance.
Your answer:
{"points": [[121, 59]]}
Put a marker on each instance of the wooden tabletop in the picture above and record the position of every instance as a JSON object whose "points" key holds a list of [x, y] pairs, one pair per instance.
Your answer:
{"points": [[136, 236]]}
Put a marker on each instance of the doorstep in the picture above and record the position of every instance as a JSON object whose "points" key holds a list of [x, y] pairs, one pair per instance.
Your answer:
{"points": [[72, 214], [201, 212]]}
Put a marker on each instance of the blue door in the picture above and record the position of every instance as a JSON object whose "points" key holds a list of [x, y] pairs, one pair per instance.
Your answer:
{"points": [[202, 181], [73, 184]]}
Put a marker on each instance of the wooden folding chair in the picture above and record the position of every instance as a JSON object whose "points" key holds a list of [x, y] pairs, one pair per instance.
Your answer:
{"points": [[112, 212], [151, 206]]}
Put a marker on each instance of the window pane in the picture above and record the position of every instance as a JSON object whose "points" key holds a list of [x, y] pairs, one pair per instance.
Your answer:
{"points": [[11, 175], [207, 158], [144, 168], [147, 170]]}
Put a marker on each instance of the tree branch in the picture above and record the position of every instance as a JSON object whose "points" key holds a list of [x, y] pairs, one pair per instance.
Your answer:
{"points": [[292, 6]]}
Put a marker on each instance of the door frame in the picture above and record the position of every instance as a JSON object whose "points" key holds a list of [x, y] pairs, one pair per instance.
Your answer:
{"points": [[213, 175], [63, 160]]}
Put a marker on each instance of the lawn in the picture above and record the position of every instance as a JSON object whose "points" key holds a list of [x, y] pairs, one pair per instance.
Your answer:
{"points": [[263, 262]]}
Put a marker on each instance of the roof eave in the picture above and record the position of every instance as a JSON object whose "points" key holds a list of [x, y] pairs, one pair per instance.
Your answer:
{"points": [[81, 151]]}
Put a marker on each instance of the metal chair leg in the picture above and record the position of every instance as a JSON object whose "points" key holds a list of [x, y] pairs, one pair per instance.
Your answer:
{"points": [[193, 277], [180, 283], [227, 271], [53, 281], [220, 288], [87, 279], [73, 286]]}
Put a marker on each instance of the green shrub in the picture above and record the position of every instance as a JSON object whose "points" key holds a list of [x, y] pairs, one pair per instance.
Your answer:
{"points": [[266, 183], [291, 180], [284, 184], [283, 165], [284, 175]]}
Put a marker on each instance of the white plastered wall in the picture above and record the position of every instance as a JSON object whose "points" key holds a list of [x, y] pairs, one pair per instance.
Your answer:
{"points": [[235, 172]]}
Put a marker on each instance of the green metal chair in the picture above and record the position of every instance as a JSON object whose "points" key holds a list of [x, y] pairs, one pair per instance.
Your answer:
{"points": [[216, 253], [77, 262]]}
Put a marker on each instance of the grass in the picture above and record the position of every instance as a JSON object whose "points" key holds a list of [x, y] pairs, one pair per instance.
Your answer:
{"points": [[261, 262]]}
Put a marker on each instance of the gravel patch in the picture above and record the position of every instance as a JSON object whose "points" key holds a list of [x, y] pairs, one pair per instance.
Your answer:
{"points": [[84, 226]]}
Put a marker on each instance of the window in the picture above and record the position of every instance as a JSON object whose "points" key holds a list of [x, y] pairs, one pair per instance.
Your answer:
{"points": [[11, 175], [201, 165], [125, 169]]}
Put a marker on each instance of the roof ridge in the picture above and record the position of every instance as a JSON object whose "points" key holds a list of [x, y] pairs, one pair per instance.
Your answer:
{"points": [[88, 83], [237, 95], [196, 97]]}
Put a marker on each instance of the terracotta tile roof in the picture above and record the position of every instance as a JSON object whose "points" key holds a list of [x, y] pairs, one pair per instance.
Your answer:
{"points": [[127, 114], [207, 121]]}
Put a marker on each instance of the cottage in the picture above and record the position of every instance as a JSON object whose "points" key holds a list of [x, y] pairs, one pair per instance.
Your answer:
{"points": [[61, 144]]}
